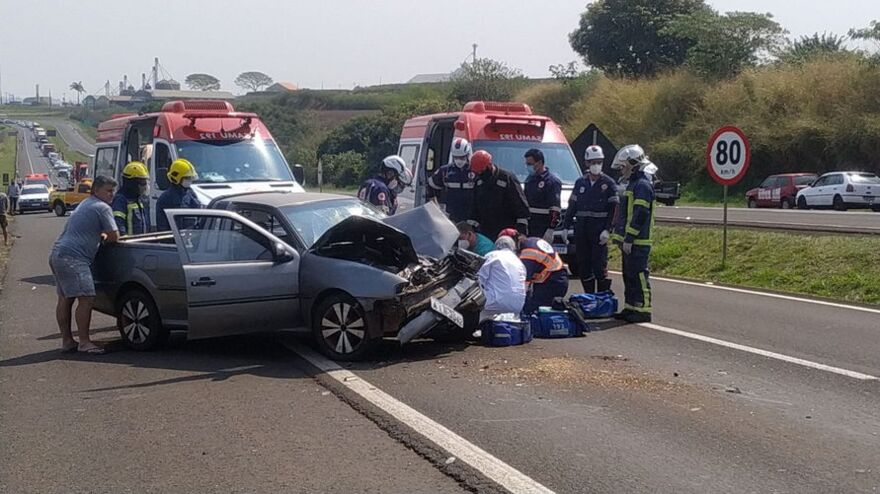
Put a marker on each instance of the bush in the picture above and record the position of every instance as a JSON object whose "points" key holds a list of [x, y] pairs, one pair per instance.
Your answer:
{"points": [[346, 169]]}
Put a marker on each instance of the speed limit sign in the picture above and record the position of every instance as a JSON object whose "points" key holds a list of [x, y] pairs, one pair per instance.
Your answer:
{"points": [[728, 155]]}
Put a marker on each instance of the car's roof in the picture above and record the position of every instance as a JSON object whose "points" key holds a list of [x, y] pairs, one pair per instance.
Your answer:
{"points": [[801, 174], [282, 199]]}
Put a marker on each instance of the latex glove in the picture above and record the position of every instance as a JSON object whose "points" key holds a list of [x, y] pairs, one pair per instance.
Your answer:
{"points": [[603, 237], [627, 248], [565, 237], [548, 235]]}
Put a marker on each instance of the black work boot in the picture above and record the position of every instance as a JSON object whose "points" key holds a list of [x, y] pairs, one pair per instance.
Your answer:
{"points": [[623, 315], [603, 285], [589, 285], [637, 317]]}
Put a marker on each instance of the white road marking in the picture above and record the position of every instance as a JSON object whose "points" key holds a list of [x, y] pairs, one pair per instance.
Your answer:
{"points": [[765, 294], [505, 475], [763, 353]]}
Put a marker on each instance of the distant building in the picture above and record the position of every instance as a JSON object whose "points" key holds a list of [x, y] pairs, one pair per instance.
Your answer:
{"points": [[166, 95], [429, 78], [168, 84], [88, 101], [282, 87], [33, 101]]}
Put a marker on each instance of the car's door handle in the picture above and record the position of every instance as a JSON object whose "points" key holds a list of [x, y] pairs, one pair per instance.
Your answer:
{"points": [[204, 281]]}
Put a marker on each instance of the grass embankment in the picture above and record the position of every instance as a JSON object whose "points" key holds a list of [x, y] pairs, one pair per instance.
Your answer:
{"points": [[70, 155], [844, 267], [7, 156]]}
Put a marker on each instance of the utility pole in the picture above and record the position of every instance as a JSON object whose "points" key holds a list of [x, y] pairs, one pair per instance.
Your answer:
{"points": [[475, 52]]}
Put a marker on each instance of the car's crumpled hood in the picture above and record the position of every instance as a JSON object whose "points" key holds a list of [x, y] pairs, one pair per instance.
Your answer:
{"points": [[368, 241], [431, 232]]}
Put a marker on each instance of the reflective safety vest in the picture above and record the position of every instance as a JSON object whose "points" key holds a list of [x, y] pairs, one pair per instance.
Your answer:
{"points": [[540, 260], [131, 216], [635, 219]]}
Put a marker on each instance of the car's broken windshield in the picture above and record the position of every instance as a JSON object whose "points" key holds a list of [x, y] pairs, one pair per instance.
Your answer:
{"points": [[311, 221]]}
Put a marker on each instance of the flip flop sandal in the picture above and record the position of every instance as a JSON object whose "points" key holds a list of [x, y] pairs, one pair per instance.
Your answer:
{"points": [[96, 350]]}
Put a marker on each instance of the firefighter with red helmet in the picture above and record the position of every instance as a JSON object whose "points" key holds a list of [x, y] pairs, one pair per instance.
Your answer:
{"points": [[499, 202], [454, 182]]}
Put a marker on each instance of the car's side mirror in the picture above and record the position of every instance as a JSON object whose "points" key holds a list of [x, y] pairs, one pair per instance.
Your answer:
{"points": [[282, 253], [299, 173]]}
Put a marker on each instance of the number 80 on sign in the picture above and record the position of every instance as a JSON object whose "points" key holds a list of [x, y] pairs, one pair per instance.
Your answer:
{"points": [[728, 155]]}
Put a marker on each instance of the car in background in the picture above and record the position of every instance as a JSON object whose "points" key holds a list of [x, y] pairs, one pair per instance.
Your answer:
{"points": [[62, 201], [34, 197], [842, 191], [779, 191]]}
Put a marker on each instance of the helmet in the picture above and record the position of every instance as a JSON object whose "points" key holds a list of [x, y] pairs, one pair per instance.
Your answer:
{"points": [[509, 232], [181, 169], [396, 164], [505, 243], [461, 148], [480, 161], [649, 168], [632, 154], [594, 153], [135, 169]]}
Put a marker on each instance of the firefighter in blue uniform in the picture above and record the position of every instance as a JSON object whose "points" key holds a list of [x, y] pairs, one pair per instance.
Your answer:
{"points": [[128, 209], [499, 201], [591, 210], [546, 276], [543, 191], [454, 182], [179, 195], [632, 231], [382, 189]]}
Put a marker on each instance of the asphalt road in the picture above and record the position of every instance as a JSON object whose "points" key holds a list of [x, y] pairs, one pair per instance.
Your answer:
{"points": [[71, 135], [859, 221], [626, 409]]}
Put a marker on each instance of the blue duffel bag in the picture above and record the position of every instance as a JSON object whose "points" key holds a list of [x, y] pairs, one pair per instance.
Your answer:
{"points": [[552, 323], [505, 333], [595, 305]]}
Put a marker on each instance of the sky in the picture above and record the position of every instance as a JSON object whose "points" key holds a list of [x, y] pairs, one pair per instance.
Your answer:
{"points": [[330, 43]]}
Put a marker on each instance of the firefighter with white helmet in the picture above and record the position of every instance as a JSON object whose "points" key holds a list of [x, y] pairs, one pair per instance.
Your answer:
{"points": [[453, 183], [381, 190], [128, 208], [179, 195], [632, 230], [591, 209]]}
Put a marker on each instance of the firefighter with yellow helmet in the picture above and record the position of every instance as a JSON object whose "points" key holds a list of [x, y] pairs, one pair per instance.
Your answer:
{"points": [[128, 207], [179, 195]]}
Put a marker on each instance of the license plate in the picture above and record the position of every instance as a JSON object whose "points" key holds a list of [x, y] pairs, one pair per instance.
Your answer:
{"points": [[447, 312], [561, 248]]}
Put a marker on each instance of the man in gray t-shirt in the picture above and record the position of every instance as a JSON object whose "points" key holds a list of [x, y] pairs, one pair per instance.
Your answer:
{"points": [[71, 262]]}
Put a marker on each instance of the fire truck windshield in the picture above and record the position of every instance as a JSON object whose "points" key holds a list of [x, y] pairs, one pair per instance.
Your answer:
{"points": [[251, 160], [510, 155]]}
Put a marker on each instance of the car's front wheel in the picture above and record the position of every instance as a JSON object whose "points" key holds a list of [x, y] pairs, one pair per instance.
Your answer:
{"points": [[753, 204], [341, 328], [59, 209], [802, 203], [138, 321], [838, 204], [787, 203]]}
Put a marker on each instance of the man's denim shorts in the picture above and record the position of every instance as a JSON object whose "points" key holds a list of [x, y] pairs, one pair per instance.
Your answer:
{"points": [[73, 277]]}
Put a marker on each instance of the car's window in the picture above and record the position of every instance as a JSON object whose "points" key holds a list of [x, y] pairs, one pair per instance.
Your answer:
{"points": [[768, 182], [105, 162], [34, 189], [162, 161], [510, 155], [804, 180], [84, 189], [312, 220], [220, 240], [267, 221], [864, 178], [822, 181], [836, 180], [409, 153]]}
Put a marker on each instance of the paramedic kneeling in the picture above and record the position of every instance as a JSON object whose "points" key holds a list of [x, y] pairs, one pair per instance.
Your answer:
{"points": [[546, 277], [503, 281]]}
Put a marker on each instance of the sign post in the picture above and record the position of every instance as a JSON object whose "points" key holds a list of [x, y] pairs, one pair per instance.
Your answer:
{"points": [[727, 160], [320, 176]]}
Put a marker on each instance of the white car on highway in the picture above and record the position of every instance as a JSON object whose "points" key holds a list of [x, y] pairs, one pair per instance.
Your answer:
{"points": [[841, 191], [34, 197]]}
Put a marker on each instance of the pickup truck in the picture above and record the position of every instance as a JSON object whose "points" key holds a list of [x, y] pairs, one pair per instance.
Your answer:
{"points": [[62, 201], [259, 262], [666, 192]]}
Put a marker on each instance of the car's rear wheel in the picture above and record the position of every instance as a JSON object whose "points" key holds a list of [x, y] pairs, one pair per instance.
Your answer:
{"points": [[341, 328], [838, 204], [802, 203], [138, 321], [753, 204], [59, 209], [787, 203]]}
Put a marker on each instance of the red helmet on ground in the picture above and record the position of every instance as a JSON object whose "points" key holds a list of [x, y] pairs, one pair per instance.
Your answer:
{"points": [[509, 232], [480, 161]]}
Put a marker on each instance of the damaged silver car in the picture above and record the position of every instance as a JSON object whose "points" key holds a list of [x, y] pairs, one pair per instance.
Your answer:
{"points": [[271, 261]]}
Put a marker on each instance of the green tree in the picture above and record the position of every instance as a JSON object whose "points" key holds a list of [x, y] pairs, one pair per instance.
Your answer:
{"points": [[628, 37], [724, 45], [485, 79], [78, 87], [808, 47], [346, 169], [872, 32], [202, 82], [253, 81]]}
